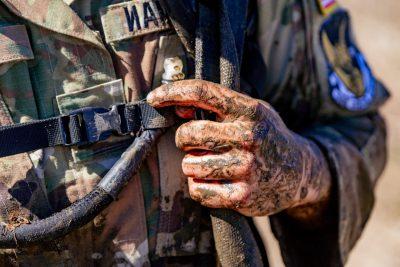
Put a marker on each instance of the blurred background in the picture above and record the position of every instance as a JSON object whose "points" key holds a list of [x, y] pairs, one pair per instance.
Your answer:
{"points": [[376, 25]]}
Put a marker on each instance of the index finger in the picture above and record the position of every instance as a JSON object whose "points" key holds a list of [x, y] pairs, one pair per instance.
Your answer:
{"points": [[205, 95]]}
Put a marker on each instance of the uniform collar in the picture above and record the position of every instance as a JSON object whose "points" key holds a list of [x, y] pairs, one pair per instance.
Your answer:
{"points": [[183, 15], [56, 16]]}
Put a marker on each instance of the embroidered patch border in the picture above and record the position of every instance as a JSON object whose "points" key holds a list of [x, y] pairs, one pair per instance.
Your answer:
{"points": [[350, 79]]}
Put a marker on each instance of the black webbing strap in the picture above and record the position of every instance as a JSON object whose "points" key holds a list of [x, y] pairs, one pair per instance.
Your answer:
{"points": [[81, 127]]}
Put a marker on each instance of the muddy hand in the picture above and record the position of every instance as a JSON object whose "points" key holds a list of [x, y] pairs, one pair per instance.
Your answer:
{"points": [[246, 160]]}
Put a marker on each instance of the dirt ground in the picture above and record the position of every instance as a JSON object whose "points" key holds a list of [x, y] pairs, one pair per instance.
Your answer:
{"points": [[377, 30]]}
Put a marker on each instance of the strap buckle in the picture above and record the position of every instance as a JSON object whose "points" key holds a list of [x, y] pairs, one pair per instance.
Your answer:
{"points": [[94, 124]]}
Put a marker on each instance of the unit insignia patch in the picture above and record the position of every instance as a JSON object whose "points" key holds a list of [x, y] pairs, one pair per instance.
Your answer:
{"points": [[351, 83]]}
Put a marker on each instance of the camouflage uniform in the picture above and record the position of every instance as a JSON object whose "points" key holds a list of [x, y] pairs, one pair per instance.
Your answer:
{"points": [[57, 56]]}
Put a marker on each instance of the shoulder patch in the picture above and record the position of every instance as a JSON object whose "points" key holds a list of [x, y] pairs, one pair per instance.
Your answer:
{"points": [[350, 79], [132, 19], [326, 7]]}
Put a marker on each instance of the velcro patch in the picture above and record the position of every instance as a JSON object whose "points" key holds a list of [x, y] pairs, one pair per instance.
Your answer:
{"points": [[327, 6], [132, 19], [14, 44], [102, 95]]}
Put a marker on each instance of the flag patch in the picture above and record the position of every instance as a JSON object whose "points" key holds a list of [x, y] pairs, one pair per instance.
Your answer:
{"points": [[327, 6]]}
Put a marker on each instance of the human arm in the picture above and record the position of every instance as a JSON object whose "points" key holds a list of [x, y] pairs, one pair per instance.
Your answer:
{"points": [[246, 160]]}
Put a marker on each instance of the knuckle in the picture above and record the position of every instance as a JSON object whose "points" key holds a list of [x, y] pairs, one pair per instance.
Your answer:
{"points": [[179, 141], [195, 133], [260, 110], [183, 134], [237, 203], [164, 90], [249, 164], [187, 169], [242, 198], [200, 91], [195, 195], [204, 198]]}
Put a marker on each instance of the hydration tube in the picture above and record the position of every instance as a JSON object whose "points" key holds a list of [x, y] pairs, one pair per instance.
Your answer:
{"points": [[86, 209]]}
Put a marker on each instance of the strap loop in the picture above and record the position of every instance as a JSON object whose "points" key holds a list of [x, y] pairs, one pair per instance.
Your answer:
{"points": [[95, 124], [82, 127]]}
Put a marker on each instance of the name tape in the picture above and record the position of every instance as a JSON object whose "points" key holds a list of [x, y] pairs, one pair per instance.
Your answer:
{"points": [[132, 19]]}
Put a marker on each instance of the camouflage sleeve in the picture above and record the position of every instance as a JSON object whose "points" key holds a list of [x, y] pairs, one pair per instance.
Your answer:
{"points": [[324, 89], [356, 151]]}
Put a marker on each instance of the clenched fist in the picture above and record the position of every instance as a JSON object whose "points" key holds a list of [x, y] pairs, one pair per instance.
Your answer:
{"points": [[246, 160]]}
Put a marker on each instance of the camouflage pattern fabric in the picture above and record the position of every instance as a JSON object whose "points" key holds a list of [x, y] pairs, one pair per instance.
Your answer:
{"points": [[55, 58], [298, 75]]}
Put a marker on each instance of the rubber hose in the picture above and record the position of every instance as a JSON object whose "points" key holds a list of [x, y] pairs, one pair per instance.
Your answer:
{"points": [[86, 209]]}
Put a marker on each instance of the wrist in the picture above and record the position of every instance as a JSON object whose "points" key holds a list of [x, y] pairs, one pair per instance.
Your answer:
{"points": [[315, 181]]}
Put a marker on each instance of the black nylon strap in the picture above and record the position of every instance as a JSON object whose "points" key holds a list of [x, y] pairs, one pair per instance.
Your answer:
{"points": [[81, 127]]}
